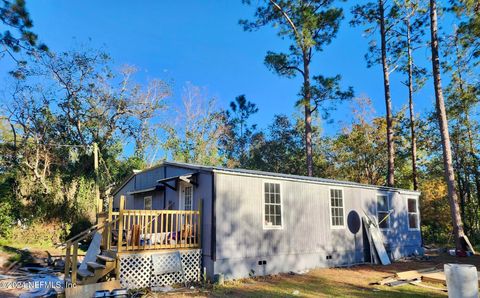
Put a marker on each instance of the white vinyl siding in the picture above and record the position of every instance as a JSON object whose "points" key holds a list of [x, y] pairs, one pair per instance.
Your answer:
{"points": [[337, 208]]}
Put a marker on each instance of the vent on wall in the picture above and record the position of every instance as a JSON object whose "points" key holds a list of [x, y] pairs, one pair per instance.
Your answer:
{"points": [[329, 257], [262, 262]]}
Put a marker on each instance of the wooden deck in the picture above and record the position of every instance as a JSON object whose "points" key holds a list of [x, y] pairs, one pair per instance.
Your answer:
{"points": [[133, 231]]}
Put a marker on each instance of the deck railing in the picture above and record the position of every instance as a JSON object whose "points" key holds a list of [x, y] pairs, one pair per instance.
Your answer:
{"points": [[156, 229]]}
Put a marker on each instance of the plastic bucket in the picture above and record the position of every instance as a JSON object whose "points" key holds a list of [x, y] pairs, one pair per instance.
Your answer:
{"points": [[462, 280]]}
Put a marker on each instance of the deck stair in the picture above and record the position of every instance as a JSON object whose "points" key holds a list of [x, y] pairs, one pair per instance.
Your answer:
{"points": [[96, 270], [125, 232], [97, 266]]}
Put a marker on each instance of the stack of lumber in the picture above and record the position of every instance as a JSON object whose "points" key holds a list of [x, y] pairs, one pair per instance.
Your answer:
{"points": [[419, 278]]}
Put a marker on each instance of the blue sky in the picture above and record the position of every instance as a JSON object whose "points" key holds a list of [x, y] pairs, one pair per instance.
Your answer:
{"points": [[201, 42]]}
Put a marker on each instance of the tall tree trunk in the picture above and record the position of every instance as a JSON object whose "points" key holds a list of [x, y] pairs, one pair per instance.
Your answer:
{"points": [[443, 123], [308, 113], [410, 105], [388, 99]]}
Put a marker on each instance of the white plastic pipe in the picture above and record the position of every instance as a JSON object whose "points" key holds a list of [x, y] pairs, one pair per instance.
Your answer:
{"points": [[462, 280]]}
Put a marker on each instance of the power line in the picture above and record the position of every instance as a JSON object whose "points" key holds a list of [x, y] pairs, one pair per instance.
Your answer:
{"points": [[51, 144]]}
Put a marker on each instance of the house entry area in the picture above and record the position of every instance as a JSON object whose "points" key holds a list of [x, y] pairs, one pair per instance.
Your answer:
{"points": [[141, 248]]}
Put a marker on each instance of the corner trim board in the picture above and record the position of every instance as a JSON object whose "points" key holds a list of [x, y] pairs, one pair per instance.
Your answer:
{"points": [[213, 234]]}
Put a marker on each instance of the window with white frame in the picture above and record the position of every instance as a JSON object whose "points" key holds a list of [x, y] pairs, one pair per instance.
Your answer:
{"points": [[383, 208], [413, 222], [147, 203], [336, 207], [273, 205], [188, 197]]}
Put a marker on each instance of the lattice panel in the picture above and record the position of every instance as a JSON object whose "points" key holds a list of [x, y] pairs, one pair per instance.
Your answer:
{"points": [[136, 270]]}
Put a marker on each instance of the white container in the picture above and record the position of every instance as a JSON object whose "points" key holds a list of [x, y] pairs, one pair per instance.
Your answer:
{"points": [[462, 280]]}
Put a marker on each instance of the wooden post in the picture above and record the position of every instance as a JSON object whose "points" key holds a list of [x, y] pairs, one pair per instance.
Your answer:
{"points": [[67, 259], [117, 267], [200, 207], [97, 187], [120, 223], [74, 263], [108, 227]]}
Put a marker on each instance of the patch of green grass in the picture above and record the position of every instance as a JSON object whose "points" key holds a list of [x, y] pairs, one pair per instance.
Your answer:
{"points": [[37, 246]]}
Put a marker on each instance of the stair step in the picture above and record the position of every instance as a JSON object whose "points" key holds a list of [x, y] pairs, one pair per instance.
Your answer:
{"points": [[95, 265], [105, 258], [85, 273]]}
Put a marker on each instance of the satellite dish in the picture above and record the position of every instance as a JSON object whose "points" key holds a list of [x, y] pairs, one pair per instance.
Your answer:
{"points": [[353, 222]]}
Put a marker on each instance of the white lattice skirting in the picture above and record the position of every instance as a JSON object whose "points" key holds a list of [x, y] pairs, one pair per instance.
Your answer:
{"points": [[136, 270]]}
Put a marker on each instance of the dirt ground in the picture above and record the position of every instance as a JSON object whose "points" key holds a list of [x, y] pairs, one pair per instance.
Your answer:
{"points": [[356, 281]]}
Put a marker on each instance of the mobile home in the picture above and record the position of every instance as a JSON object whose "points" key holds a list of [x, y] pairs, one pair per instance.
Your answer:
{"points": [[260, 223]]}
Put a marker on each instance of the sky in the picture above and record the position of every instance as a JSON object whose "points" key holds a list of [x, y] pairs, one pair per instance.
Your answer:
{"points": [[201, 42]]}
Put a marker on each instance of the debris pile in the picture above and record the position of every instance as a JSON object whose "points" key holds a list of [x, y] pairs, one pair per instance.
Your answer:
{"points": [[33, 276], [431, 278]]}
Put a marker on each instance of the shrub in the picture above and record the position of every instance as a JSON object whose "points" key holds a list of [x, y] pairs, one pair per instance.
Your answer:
{"points": [[37, 233], [6, 219]]}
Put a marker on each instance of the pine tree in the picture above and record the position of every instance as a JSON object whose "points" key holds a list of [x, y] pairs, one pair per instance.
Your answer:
{"points": [[382, 17], [443, 125], [310, 25]]}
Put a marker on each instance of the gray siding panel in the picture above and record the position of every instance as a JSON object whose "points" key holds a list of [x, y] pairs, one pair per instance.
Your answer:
{"points": [[306, 237]]}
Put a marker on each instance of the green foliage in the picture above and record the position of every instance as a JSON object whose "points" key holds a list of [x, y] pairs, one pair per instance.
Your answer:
{"points": [[326, 93], [369, 16], [309, 23], [38, 233], [281, 150], [65, 103], [468, 14], [358, 152], [236, 139], [436, 222], [310, 26], [17, 36], [6, 219]]}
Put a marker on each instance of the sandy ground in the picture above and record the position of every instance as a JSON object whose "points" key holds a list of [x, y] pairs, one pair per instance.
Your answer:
{"points": [[357, 281]]}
